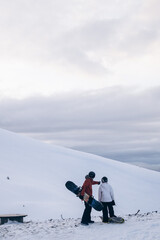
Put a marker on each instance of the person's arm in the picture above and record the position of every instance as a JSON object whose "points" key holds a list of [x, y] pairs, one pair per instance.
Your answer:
{"points": [[112, 193], [95, 182], [112, 196], [99, 194]]}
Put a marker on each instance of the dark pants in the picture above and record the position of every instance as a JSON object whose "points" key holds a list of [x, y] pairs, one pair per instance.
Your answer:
{"points": [[107, 206], [86, 218]]}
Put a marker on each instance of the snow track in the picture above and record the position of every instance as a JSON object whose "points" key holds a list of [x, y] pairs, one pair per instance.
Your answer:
{"points": [[139, 227]]}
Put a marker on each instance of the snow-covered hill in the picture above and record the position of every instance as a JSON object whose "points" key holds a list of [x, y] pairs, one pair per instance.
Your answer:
{"points": [[33, 176]]}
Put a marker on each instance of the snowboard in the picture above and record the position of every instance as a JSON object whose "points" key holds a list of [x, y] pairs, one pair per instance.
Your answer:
{"points": [[114, 219], [89, 200]]}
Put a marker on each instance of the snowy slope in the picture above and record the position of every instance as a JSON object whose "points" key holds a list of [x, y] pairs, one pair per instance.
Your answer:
{"points": [[37, 174]]}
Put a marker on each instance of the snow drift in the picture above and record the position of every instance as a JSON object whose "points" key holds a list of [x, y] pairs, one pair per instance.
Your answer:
{"points": [[33, 176]]}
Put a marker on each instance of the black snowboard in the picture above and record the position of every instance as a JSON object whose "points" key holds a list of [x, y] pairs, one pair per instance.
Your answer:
{"points": [[90, 200]]}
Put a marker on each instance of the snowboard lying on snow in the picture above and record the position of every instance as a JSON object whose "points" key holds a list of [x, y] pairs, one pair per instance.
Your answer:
{"points": [[114, 219], [90, 200]]}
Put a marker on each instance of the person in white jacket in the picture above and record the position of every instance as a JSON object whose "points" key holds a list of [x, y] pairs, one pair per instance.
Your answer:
{"points": [[106, 197]]}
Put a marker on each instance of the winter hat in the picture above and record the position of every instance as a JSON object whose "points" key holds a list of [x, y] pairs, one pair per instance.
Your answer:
{"points": [[92, 174], [104, 179]]}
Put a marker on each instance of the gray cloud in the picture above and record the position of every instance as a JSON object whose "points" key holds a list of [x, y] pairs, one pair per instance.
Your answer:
{"points": [[58, 32], [92, 109], [116, 122], [113, 39]]}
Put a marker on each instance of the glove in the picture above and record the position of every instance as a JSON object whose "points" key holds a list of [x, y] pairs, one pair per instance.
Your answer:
{"points": [[81, 197], [113, 203], [99, 183]]}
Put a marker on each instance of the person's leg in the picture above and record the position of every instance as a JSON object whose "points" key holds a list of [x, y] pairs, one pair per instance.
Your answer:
{"points": [[105, 212], [86, 218], [111, 210], [89, 214]]}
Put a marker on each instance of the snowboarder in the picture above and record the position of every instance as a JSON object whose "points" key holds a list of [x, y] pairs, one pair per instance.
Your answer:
{"points": [[106, 197], [87, 188]]}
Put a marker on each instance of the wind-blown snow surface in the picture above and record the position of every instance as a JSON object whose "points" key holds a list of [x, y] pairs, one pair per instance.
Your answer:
{"points": [[140, 227], [33, 176]]}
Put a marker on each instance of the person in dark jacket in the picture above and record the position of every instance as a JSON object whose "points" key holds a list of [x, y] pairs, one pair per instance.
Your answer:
{"points": [[87, 188]]}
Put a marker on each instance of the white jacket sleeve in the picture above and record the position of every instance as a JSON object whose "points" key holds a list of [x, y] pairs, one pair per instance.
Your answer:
{"points": [[99, 194], [112, 193]]}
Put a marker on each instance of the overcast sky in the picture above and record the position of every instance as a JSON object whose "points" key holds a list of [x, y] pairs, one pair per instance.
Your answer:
{"points": [[83, 74]]}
